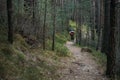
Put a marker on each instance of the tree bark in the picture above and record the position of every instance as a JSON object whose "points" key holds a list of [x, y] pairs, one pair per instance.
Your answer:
{"points": [[44, 25], [118, 39], [10, 22], [111, 52], [92, 22], [54, 16], [106, 28]]}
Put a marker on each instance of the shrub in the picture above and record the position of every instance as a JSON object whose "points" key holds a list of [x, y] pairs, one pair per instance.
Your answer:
{"points": [[62, 50], [61, 39]]}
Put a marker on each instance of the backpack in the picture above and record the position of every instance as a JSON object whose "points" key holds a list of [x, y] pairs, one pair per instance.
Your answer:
{"points": [[71, 33]]}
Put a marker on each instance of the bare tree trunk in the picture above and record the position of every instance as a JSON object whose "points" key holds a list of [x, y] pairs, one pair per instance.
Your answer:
{"points": [[33, 14], [98, 26], [54, 16], [93, 21], [62, 14], [10, 22], [101, 23], [80, 24], [44, 25], [106, 30]]}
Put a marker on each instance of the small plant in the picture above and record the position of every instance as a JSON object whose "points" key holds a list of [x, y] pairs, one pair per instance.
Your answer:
{"points": [[21, 57], [62, 50]]}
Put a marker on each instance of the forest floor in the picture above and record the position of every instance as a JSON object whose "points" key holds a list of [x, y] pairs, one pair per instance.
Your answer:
{"points": [[81, 66]]}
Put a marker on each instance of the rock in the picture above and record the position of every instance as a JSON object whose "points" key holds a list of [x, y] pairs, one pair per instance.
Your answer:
{"points": [[71, 71], [80, 64], [85, 49], [76, 77]]}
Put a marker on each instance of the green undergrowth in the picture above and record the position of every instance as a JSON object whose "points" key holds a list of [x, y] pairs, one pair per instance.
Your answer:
{"points": [[99, 57], [60, 48], [19, 62]]}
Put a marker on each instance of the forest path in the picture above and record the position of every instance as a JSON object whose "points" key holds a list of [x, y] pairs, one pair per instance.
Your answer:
{"points": [[81, 67]]}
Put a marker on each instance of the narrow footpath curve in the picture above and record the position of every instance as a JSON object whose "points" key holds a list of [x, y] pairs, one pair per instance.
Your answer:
{"points": [[81, 67]]}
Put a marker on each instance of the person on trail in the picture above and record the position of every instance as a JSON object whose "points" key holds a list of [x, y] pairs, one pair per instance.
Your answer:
{"points": [[72, 34]]}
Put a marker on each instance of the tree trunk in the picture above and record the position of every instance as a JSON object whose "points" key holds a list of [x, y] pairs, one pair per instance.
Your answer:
{"points": [[118, 39], [98, 26], [106, 29], [111, 52], [93, 21], [10, 22], [33, 15], [44, 25], [54, 16]]}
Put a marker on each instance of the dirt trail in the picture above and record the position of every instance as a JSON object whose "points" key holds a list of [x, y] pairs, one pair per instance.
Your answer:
{"points": [[81, 67]]}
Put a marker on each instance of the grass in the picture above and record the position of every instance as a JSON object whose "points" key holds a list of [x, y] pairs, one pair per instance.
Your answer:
{"points": [[19, 62], [99, 57]]}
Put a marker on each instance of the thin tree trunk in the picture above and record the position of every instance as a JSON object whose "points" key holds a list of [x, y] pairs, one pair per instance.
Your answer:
{"points": [[44, 25], [101, 23], [80, 23], [54, 16], [10, 22], [93, 21], [98, 17], [61, 15], [33, 16]]}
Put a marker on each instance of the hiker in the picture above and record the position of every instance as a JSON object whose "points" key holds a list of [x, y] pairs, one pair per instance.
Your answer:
{"points": [[72, 35]]}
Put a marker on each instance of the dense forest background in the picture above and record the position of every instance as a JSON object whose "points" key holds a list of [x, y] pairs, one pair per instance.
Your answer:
{"points": [[45, 24]]}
